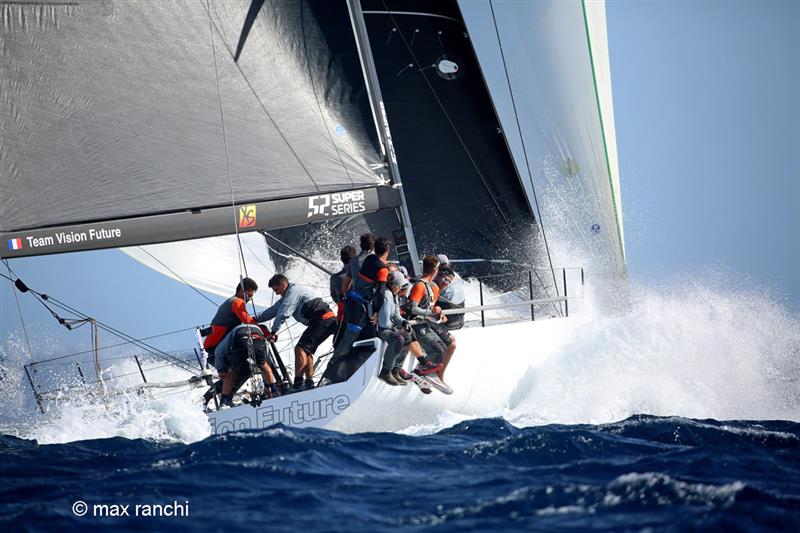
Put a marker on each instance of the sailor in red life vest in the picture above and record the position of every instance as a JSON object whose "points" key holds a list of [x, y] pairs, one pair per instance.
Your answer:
{"points": [[230, 314]]}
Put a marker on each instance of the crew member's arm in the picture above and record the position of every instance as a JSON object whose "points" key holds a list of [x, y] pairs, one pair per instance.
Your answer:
{"points": [[334, 288], [380, 279], [346, 283], [290, 300], [417, 292]]}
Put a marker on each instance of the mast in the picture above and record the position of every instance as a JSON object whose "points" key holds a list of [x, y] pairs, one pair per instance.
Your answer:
{"points": [[379, 114]]}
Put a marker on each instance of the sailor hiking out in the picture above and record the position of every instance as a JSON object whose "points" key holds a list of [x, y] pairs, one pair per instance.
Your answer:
{"points": [[306, 308], [451, 292], [422, 308]]}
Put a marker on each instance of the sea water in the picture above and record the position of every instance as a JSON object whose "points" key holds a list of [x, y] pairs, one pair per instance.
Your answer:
{"points": [[680, 413]]}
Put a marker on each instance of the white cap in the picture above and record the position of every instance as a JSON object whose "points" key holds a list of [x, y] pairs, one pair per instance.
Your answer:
{"points": [[443, 260], [396, 279]]}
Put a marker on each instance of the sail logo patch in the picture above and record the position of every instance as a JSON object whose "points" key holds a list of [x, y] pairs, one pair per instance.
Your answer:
{"points": [[336, 204], [247, 216], [318, 204], [15, 244]]}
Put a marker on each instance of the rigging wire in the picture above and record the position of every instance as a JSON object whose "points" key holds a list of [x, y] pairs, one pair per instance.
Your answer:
{"points": [[466, 149], [19, 310], [195, 289], [449, 120], [84, 318], [60, 357], [242, 263], [524, 150]]}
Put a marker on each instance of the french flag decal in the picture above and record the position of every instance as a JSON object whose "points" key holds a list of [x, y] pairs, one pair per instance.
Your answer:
{"points": [[15, 244]]}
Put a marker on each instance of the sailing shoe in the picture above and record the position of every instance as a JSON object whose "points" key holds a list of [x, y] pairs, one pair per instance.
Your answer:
{"points": [[398, 378], [400, 373], [428, 367], [309, 384], [386, 377]]}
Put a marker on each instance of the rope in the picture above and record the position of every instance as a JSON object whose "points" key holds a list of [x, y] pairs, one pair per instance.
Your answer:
{"points": [[453, 127], [525, 153], [179, 277], [19, 310], [60, 357], [242, 263]]}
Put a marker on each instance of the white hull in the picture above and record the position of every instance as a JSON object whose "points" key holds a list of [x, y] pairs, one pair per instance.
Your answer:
{"points": [[485, 382]]}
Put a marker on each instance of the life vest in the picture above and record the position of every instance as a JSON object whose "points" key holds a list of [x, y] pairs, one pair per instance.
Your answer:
{"points": [[373, 272], [425, 298]]}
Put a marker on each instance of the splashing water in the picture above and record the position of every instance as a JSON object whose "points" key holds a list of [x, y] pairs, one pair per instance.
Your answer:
{"points": [[694, 351], [691, 351]]}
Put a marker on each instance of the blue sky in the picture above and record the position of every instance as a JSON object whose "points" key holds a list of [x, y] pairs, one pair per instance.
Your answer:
{"points": [[707, 110], [708, 131]]}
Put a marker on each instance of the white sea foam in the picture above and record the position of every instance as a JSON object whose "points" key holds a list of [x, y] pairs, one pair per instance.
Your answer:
{"points": [[690, 349]]}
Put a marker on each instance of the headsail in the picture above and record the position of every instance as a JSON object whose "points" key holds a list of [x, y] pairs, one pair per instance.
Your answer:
{"points": [[546, 65], [125, 125]]}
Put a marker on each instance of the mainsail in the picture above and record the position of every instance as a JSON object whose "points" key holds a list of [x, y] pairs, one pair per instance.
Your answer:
{"points": [[159, 118]]}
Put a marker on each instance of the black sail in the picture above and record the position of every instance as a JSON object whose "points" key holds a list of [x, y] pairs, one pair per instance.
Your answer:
{"points": [[463, 191], [115, 110]]}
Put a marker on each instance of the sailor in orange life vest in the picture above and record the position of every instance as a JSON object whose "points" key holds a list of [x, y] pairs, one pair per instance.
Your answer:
{"points": [[301, 304], [421, 307], [230, 315]]}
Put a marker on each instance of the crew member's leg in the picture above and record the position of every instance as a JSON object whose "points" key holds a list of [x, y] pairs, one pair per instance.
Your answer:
{"points": [[449, 341]]}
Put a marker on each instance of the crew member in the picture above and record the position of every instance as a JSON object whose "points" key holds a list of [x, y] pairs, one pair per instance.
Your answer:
{"points": [[364, 300], [244, 342], [337, 280], [301, 304], [451, 293], [230, 314], [396, 331], [367, 244], [422, 307]]}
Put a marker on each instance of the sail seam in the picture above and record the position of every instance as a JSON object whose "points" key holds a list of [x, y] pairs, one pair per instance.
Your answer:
{"points": [[316, 96], [258, 99]]}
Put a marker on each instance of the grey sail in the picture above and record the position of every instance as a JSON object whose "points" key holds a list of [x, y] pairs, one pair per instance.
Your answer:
{"points": [[137, 118]]}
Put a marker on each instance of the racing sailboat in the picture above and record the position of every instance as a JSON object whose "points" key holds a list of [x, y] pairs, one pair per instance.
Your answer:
{"points": [[187, 120]]}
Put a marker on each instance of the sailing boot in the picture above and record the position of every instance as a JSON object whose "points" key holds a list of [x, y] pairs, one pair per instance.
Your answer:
{"points": [[308, 384], [298, 385], [386, 377]]}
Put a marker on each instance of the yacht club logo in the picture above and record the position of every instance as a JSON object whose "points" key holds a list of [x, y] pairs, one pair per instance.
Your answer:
{"points": [[339, 203], [247, 216]]}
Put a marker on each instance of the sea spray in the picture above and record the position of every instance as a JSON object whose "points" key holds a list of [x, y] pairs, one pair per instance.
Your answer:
{"points": [[691, 350]]}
